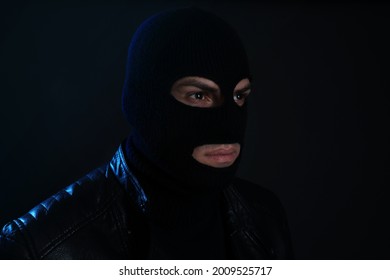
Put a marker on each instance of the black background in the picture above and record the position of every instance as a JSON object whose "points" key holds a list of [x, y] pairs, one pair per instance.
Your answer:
{"points": [[318, 128]]}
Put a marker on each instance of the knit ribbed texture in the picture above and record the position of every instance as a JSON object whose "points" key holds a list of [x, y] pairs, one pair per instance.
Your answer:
{"points": [[169, 46]]}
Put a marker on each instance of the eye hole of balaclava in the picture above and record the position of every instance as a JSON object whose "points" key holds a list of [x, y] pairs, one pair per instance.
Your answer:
{"points": [[204, 93]]}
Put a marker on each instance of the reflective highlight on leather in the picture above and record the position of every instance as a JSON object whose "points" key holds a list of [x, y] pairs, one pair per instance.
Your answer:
{"points": [[128, 180]]}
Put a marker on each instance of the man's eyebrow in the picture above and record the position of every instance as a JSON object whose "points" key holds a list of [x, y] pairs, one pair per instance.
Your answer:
{"points": [[199, 85], [244, 89]]}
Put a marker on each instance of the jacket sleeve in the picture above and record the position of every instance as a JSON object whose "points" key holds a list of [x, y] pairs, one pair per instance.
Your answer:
{"points": [[12, 246]]}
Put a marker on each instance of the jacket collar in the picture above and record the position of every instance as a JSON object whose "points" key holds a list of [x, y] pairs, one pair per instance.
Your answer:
{"points": [[127, 179]]}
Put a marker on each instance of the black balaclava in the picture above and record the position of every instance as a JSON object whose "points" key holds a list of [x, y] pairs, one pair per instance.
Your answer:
{"points": [[169, 46]]}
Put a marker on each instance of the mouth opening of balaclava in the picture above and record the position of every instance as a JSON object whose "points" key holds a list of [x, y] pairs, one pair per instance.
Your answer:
{"points": [[169, 46]]}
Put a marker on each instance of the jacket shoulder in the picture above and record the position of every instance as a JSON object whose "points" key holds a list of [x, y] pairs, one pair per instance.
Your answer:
{"points": [[262, 214], [260, 197], [36, 233]]}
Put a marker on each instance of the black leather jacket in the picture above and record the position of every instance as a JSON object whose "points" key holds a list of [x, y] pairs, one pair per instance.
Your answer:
{"points": [[101, 217]]}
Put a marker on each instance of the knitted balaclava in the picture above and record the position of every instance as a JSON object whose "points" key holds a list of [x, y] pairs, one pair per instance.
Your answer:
{"points": [[169, 46]]}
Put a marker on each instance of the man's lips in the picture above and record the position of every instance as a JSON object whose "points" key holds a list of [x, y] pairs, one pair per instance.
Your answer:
{"points": [[225, 154], [217, 155], [221, 152]]}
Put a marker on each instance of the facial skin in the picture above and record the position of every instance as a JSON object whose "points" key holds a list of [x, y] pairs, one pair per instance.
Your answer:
{"points": [[204, 93]]}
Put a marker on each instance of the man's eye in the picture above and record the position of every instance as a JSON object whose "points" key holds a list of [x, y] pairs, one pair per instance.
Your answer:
{"points": [[240, 97], [198, 95]]}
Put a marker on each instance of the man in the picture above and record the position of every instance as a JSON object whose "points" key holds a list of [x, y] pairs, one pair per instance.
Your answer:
{"points": [[170, 191]]}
